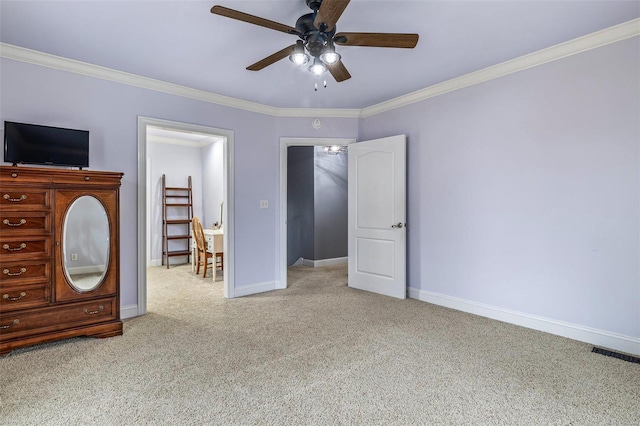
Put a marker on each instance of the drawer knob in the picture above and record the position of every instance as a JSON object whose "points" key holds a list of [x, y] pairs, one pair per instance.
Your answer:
{"points": [[14, 175], [88, 312], [87, 178], [12, 299], [14, 274], [20, 247], [14, 200], [15, 322], [8, 223]]}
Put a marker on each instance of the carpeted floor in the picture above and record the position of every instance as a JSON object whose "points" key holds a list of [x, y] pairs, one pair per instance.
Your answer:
{"points": [[316, 353]]}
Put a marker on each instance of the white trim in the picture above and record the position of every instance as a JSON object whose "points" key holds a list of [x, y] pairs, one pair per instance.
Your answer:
{"points": [[128, 311], [581, 333], [89, 269], [581, 44], [228, 196], [559, 51], [322, 262], [286, 142], [248, 290], [318, 112], [155, 262]]}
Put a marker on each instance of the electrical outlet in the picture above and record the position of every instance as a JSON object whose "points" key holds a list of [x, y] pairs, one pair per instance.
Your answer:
{"points": [[264, 204], [74, 256]]}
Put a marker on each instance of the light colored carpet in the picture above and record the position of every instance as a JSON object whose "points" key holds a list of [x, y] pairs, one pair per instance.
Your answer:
{"points": [[316, 353]]}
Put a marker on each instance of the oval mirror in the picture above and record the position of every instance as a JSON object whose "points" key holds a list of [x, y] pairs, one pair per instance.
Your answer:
{"points": [[85, 243]]}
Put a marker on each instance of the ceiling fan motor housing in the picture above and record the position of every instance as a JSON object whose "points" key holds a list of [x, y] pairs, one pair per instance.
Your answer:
{"points": [[314, 39]]}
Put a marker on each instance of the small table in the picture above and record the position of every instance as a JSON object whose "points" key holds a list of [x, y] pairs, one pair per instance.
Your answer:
{"points": [[214, 240]]}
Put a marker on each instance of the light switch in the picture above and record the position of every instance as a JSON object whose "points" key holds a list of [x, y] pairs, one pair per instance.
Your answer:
{"points": [[264, 204]]}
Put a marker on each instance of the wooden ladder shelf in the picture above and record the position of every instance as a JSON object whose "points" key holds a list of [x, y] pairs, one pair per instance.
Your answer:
{"points": [[178, 228]]}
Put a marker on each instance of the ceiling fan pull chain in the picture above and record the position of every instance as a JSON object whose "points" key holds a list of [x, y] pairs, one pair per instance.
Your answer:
{"points": [[316, 87]]}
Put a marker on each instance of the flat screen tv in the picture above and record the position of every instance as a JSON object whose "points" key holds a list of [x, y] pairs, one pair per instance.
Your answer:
{"points": [[45, 145]]}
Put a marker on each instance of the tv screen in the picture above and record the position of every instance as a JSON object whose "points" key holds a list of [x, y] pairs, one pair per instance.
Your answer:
{"points": [[34, 144]]}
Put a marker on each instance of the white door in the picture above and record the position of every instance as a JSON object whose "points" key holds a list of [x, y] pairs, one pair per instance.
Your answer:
{"points": [[377, 216]]}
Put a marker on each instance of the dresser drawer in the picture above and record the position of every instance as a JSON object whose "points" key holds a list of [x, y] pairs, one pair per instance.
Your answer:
{"points": [[53, 318], [23, 248], [24, 198], [20, 175], [20, 223], [24, 272], [87, 178], [12, 299]]}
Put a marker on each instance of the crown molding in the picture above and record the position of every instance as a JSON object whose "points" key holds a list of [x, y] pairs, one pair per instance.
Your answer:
{"points": [[581, 44], [17, 53], [22, 54], [319, 112]]}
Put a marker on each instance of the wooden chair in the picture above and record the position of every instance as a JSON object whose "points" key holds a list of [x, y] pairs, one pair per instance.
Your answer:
{"points": [[202, 255]]}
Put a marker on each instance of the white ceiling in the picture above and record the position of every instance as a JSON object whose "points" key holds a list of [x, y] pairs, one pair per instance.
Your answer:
{"points": [[181, 42]]}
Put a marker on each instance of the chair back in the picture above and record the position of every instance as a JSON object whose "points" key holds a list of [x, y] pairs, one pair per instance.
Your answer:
{"points": [[198, 234]]}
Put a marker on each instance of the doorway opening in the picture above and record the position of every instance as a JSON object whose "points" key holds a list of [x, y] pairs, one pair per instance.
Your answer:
{"points": [[213, 202], [311, 148]]}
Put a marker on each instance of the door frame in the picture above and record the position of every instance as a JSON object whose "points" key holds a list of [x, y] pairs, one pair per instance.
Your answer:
{"points": [[286, 142], [227, 194]]}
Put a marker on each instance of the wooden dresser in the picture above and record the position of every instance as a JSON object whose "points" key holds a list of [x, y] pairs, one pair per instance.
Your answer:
{"points": [[59, 255]]}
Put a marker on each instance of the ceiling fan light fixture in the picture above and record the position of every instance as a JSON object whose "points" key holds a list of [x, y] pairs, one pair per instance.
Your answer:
{"points": [[299, 56], [330, 56], [318, 68], [334, 149]]}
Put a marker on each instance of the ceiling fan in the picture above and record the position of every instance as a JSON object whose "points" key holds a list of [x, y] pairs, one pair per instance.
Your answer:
{"points": [[318, 37]]}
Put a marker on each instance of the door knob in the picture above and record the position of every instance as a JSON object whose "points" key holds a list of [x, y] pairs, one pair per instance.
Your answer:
{"points": [[398, 225]]}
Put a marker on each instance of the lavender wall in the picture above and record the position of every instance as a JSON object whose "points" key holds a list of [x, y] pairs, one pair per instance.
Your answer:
{"points": [[109, 111], [523, 191]]}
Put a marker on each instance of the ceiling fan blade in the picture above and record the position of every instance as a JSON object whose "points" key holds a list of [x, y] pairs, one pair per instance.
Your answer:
{"points": [[339, 71], [329, 13], [406, 41], [245, 17], [281, 54]]}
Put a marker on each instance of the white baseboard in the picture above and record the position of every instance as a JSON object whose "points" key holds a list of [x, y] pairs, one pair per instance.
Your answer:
{"points": [[581, 333], [128, 311], [254, 289], [323, 262], [299, 262], [91, 269], [155, 262]]}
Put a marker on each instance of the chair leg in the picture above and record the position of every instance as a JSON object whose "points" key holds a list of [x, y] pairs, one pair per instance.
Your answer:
{"points": [[204, 274]]}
